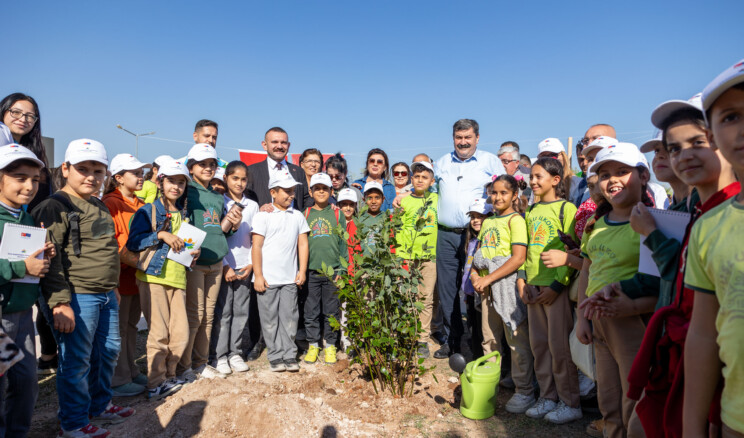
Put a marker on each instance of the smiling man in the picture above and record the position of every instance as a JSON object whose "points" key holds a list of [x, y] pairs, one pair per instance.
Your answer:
{"points": [[461, 176]]}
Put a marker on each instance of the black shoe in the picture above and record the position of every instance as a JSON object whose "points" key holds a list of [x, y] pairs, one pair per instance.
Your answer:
{"points": [[255, 353], [442, 353], [422, 350], [47, 367]]}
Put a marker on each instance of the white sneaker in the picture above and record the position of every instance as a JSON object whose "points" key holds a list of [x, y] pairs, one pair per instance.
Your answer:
{"points": [[208, 372], [586, 385], [542, 407], [188, 376], [238, 364], [223, 366], [519, 403], [563, 414]]}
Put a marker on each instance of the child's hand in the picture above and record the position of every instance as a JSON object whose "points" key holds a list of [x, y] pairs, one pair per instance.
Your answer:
{"points": [[235, 216], [526, 292], [267, 208], [195, 254], [546, 296], [260, 284], [609, 302], [576, 252], [118, 295], [641, 220], [554, 258], [244, 273], [229, 273], [584, 331], [300, 278], [50, 251], [173, 241], [36, 267], [480, 284], [64, 318]]}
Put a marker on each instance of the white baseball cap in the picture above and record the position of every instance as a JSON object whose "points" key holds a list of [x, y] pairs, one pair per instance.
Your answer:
{"points": [[5, 135], [666, 109], [600, 142], [85, 149], [320, 178], [162, 159], [282, 179], [650, 145], [219, 174], [550, 145], [125, 162], [347, 195], [480, 205], [426, 164], [733, 75], [201, 152], [626, 153], [173, 168], [14, 152], [373, 185]]}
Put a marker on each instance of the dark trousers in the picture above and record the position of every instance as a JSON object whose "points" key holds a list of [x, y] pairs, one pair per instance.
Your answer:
{"points": [[450, 262], [321, 303], [46, 337], [474, 325]]}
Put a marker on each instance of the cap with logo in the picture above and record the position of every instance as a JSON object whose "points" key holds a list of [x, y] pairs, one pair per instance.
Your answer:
{"points": [[347, 195], [373, 185], [625, 153], [424, 164], [733, 75], [282, 179], [124, 162], [162, 159], [600, 142], [201, 152], [650, 145], [480, 205], [551, 145], [85, 149], [5, 135], [666, 109], [173, 168], [320, 178], [14, 152]]}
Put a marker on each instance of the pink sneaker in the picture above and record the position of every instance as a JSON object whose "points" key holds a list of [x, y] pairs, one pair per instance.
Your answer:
{"points": [[112, 415]]}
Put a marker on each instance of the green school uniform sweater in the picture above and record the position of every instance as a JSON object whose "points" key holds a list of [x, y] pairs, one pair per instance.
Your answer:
{"points": [[205, 210]]}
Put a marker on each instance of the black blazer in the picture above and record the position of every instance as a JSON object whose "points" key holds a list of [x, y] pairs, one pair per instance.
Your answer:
{"points": [[258, 185]]}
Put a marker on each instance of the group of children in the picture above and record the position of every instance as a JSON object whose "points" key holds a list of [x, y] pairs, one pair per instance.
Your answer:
{"points": [[536, 274]]}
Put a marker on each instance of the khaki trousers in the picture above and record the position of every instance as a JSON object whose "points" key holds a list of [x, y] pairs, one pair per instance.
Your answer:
{"points": [[549, 328], [129, 316], [202, 290], [616, 343], [165, 312], [522, 362], [426, 294]]}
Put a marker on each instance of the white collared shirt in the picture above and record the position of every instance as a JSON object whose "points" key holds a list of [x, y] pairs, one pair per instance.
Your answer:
{"points": [[272, 165], [239, 244], [281, 230]]}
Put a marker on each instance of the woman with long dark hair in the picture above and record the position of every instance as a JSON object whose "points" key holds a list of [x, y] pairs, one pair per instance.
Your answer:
{"points": [[338, 170], [377, 170]]}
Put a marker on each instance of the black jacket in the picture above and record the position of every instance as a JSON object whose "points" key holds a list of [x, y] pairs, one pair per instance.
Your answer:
{"points": [[258, 185]]}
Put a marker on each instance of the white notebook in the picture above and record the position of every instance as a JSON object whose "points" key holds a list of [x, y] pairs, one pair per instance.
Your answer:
{"points": [[673, 224], [193, 238], [19, 242]]}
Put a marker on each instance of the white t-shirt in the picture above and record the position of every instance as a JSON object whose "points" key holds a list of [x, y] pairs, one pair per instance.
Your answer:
{"points": [[239, 244], [661, 199], [281, 230]]}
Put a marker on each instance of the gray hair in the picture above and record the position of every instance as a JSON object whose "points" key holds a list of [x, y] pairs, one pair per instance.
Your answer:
{"points": [[464, 125], [509, 150]]}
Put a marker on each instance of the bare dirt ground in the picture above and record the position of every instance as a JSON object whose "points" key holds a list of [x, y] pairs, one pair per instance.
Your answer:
{"points": [[319, 401]]}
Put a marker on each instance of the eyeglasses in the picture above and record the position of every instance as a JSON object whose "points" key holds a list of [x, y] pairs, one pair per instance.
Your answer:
{"points": [[17, 114], [375, 161], [507, 162], [312, 161], [337, 176], [402, 173]]}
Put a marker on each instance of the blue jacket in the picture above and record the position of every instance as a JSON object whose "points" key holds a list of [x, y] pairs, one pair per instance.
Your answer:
{"points": [[142, 237], [388, 190]]}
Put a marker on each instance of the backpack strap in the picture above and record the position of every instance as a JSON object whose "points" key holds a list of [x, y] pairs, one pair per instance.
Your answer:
{"points": [[336, 211], [560, 216], [307, 212], [73, 215], [153, 217]]}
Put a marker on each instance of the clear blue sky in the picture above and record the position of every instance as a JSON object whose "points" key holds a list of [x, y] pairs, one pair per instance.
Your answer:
{"points": [[349, 76]]}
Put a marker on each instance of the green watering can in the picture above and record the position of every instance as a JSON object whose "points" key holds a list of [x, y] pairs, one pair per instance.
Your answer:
{"points": [[479, 381]]}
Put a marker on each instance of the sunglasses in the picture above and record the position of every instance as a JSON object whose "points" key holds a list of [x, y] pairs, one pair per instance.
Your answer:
{"points": [[402, 173], [375, 161]]}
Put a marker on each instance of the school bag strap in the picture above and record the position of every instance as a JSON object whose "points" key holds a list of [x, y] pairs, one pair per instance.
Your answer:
{"points": [[307, 213], [73, 216]]}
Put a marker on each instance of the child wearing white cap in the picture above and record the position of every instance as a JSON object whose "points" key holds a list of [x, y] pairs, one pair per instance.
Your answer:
{"points": [[126, 178], [372, 217], [326, 248], [553, 148], [714, 346], [20, 170], [279, 237], [150, 187], [79, 291], [611, 249], [161, 281]]}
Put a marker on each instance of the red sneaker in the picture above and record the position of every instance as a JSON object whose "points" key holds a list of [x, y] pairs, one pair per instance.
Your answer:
{"points": [[112, 415], [89, 431]]}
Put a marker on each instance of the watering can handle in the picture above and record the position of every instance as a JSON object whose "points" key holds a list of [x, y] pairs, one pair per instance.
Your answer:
{"points": [[480, 361]]}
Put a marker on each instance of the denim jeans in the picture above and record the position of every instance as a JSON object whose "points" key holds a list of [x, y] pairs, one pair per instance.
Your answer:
{"points": [[87, 357]]}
